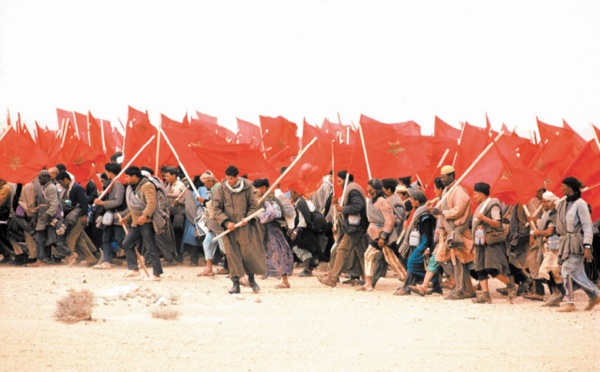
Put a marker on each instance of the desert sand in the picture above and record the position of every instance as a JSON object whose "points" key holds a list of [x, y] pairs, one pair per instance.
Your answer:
{"points": [[307, 327]]}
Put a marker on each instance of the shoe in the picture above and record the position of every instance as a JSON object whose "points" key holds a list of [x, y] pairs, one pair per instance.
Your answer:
{"points": [[455, 296], [593, 302], [350, 281], [401, 292], [305, 273], [131, 274], [328, 282], [533, 296], [418, 290], [502, 291], [568, 308], [236, 286], [253, 284], [6, 259], [152, 278]]}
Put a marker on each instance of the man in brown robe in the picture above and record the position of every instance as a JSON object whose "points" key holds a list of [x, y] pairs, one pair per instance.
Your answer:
{"points": [[232, 202]]}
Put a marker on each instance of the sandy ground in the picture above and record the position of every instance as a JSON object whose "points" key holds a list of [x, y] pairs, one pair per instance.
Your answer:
{"points": [[307, 327]]}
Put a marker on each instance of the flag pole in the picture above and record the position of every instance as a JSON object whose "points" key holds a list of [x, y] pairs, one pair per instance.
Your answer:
{"points": [[103, 139], [156, 170], [595, 135], [180, 163], [464, 175], [125, 167], [261, 210], [289, 168], [362, 140]]}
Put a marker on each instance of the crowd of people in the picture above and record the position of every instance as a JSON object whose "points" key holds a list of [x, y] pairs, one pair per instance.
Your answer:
{"points": [[455, 242]]}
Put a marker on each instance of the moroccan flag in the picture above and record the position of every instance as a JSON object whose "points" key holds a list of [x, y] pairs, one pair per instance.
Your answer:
{"points": [[280, 140], [553, 159], [352, 159], [63, 116], [137, 132], [20, 158], [390, 154], [248, 133], [45, 138], [585, 166], [332, 130], [306, 176], [575, 137], [309, 132], [84, 162], [547, 131], [81, 124], [472, 142], [515, 149], [592, 197], [210, 123], [517, 184], [98, 143], [407, 128], [445, 130], [248, 160]]}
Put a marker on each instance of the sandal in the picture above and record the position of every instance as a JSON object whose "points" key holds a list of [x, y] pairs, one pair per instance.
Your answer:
{"points": [[282, 286]]}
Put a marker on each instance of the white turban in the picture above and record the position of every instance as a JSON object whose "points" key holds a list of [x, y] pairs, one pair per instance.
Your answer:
{"points": [[549, 196]]}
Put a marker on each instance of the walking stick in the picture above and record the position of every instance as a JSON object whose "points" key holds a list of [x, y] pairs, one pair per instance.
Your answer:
{"points": [[140, 259], [240, 223]]}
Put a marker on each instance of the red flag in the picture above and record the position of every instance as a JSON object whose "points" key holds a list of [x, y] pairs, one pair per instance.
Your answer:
{"points": [[575, 137], [20, 158], [592, 197], [212, 126], [81, 123], [280, 141], [585, 166], [309, 132], [249, 161], [352, 159], [407, 128], [63, 117], [390, 154], [137, 132], [472, 142], [553, 159], [248, 133], [445, 130], [306, 176], [516, 150]]}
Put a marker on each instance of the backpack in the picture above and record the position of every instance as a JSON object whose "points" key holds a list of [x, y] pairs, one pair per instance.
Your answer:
{"points": [[319, 223], [162, 202]]}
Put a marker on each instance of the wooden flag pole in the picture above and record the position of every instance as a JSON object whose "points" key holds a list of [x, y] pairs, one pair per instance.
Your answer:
{"points": [[595, 135], [102, 134], [464, 175], [362, 140], [179, 161], [240, 223], [156, 169], [125, 167], [272, 187]]}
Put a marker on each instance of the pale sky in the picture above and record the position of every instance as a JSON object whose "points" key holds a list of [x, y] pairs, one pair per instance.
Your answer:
{"points": [[391, 60]]}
